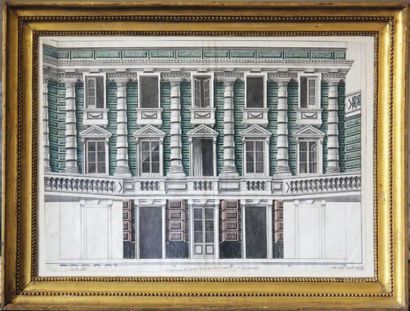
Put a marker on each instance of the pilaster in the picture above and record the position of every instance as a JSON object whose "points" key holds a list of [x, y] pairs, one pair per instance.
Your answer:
{"points": [[70, 124], [176, 169], [229, 168], [333, 80], [122, 168], [46, 130], [282, 155]]}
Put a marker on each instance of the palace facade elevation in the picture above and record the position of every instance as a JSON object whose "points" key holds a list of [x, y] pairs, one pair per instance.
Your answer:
{"points": [[193, 153]]}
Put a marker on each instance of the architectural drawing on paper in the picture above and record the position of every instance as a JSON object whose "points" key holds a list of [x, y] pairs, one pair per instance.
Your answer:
{"points": [[197, 153]]}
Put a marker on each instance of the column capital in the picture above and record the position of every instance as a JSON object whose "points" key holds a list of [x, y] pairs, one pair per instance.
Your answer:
{"points": [[282, 77], [333, 77], [69, 77], [229, 76], [122, 77], [175, 76], [45, 83], [46, 78]]}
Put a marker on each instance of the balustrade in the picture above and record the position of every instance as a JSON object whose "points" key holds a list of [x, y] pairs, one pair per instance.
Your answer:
{"points": [[322, 184], [82, 184], [295, 185]]}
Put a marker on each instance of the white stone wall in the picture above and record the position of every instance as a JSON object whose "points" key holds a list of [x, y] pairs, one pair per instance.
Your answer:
{"points": [[315, 230], [84, 230]]}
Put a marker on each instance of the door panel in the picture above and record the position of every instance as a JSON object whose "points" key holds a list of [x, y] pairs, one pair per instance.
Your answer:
{"points": [[150, 232], [255, 224]]}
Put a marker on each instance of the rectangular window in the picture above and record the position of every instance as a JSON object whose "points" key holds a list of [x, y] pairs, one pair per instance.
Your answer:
{"points": [[202, 92], [149, 92], [308, 90], [96, 158], [203, 229], [307, 157], [150, 157], [202, 157], [94, 89], [254, 92], [254, 157]]}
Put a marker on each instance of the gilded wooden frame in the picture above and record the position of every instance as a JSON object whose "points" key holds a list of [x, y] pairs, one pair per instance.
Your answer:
{"points": [[24, 22]]}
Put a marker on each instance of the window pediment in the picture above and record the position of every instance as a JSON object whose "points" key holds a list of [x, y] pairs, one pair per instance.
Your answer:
{"points": [[149, 131], [309, 131], [255, 131], [202, 131], [95, 131]]}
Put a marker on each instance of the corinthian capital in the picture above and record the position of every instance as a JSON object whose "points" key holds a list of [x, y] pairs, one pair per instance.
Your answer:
{"points": [[175, 76], [229, 76], [334, 77], [69, 77], [282, 76]]}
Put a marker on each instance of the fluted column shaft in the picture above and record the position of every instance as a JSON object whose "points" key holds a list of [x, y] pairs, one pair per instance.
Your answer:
{"points": [[70, 128], [229, 167], [122, 168], [282, 155], [332, 128], [46, 129], [176, 169]]}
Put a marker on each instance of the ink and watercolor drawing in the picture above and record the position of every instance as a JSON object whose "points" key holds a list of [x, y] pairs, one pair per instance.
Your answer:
{"points": [[206, 156]]}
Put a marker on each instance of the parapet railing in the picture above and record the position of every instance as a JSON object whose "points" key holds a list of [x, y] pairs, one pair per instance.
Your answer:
{"points": [[112, 185]]}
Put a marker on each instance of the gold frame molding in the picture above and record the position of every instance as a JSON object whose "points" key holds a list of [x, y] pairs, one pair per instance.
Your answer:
{"points": [[25, 22]]}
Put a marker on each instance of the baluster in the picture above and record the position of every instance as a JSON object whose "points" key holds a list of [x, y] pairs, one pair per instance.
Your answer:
{"points": [[112, 186], [342, 183], [325, 183], [104, 186], [292, 187]]}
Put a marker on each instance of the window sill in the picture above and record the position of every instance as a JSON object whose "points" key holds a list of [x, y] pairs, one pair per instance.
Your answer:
{"points": [[309, 175], [309, 116], [256, 175], [97, 175], [151, 175]]}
